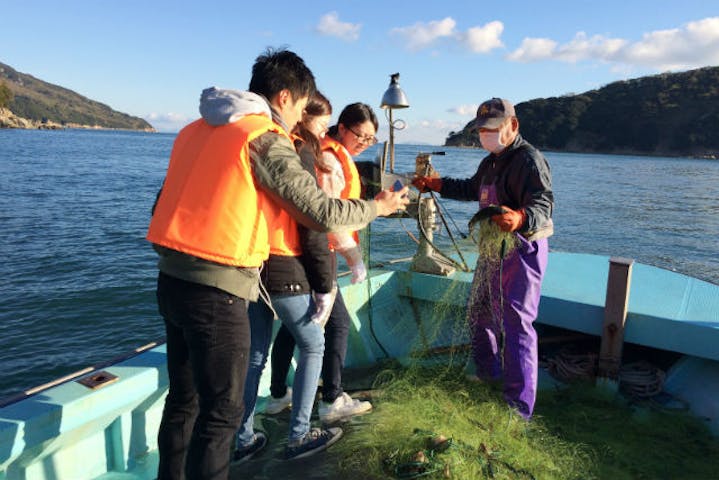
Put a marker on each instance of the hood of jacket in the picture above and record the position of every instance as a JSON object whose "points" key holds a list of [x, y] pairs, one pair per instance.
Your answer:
{"points": [[222, 106]]}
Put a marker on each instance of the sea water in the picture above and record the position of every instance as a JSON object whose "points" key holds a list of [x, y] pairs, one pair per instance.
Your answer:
{"points": [[77, 278]]}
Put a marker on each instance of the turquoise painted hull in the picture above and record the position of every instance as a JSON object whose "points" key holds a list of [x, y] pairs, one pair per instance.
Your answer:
{"points": [[72, 432]]}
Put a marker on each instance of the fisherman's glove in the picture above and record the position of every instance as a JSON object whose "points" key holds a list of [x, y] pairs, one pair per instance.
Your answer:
{"points": [[510, 220], [425, 184]]}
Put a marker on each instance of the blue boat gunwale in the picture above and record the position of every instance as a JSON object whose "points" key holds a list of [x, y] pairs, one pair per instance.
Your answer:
{"points": [[666, 310]]}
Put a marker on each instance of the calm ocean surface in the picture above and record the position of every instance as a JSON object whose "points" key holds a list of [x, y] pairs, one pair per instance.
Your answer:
{"points": [[77, 277]]}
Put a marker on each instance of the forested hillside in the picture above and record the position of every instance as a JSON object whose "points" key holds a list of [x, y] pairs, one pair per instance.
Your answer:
{"points": [[667, 114], [39, 101]]}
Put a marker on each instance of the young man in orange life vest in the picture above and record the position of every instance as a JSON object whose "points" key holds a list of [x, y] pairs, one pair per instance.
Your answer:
{"points": [[211, 235]]}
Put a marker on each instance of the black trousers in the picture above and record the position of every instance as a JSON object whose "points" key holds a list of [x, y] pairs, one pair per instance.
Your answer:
{"points": [[208, 342], [336, 335]]}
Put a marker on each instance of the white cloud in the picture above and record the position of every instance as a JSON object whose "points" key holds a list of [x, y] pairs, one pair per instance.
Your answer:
{"points": [[464, 110], [433, 132], [421, 35], [479, 39], [694, 44], [168, 122], [533, 49], [484, 39], [582, 47], [331, 26]]}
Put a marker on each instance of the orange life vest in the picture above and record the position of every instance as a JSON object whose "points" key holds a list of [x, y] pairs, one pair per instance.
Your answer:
{"points": [[353, 186], [209, 206], [284, 236]]}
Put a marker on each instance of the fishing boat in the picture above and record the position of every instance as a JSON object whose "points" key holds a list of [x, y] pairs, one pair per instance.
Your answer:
{"points": [[102, 422]]}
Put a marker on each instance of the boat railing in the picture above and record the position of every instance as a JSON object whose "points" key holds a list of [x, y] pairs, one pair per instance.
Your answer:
{"points": [[79, 375]]}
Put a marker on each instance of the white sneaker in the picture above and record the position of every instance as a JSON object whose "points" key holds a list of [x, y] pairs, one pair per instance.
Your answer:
{"points": [[343, 406], [276, 405]]}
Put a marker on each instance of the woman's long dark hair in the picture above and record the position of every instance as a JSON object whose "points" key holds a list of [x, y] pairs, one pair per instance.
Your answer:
{"points": [[354, 114], [317, 106]]}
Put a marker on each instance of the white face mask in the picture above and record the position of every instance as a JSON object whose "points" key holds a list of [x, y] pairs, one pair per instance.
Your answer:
{"points": [[490, 141]]}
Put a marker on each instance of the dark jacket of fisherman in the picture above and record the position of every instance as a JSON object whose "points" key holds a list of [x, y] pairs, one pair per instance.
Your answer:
{"points": [[522, 179]]}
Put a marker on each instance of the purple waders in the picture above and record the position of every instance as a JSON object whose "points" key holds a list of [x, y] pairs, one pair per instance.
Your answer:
{"points": [[501, 313]]}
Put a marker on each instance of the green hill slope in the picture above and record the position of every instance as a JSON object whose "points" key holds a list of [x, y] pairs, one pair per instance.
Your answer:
{"points": [[667, 114], [37, 100]]}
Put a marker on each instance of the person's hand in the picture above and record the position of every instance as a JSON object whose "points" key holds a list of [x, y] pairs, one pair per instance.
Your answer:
{"points": [[359, 272], [323, 303], [425, 184], [389, 202], [510, 220]]}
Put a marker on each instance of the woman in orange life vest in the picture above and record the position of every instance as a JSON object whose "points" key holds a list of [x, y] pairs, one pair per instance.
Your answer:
{"points": [[338, 177]]}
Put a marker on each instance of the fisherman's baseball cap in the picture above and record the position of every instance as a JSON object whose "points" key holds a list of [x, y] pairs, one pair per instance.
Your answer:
{"points": [[492, 113]]}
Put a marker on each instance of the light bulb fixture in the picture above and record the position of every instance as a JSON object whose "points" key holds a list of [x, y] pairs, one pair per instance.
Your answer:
{"points": [[394, 97]]}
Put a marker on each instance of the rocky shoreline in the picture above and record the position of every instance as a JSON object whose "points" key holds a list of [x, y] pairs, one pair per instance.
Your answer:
{"points": [[10, 120]]}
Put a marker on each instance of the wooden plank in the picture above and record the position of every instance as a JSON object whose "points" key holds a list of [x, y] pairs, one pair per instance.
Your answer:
{"points": [[615, 317]]}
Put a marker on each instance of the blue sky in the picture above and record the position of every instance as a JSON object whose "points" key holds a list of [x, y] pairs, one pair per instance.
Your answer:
{"points": [[153, 58]]}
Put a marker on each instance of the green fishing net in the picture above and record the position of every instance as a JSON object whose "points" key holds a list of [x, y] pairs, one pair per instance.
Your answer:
{"points": [[430, 420]]}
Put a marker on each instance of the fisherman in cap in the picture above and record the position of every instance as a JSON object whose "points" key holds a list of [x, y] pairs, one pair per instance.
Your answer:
{"points": [[515, 181]]}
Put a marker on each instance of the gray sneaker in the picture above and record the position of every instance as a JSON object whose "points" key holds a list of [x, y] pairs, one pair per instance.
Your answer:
{"points": [[313, 442], [244, 453]]}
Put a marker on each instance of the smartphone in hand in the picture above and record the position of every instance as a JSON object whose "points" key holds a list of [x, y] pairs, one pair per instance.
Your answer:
{"points": [[397, 186]]}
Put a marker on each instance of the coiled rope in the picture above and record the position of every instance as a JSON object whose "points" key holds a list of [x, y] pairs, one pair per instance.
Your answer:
{"points": [[638, 379], [641, 379], [569, 366]]}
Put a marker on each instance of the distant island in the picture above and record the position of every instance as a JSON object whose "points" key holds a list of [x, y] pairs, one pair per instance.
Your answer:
{"points": [[27, 102], [671, 114]]}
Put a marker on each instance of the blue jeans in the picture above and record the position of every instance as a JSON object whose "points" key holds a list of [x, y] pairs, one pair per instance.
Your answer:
{"points": [[336, 334], [207, 350], [295, 312]]}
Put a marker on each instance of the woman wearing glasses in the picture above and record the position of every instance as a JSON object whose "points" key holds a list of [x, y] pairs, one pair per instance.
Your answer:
{"points": [[338, 177]]}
